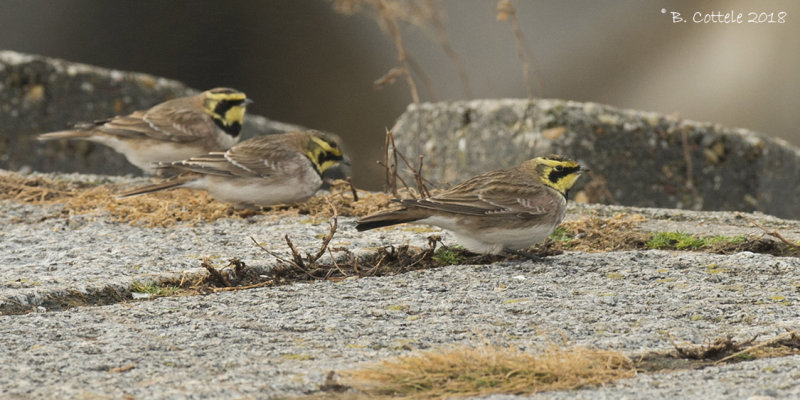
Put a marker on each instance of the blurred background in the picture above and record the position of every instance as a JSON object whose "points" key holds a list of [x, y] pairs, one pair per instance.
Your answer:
{"points": [[307, 62]]}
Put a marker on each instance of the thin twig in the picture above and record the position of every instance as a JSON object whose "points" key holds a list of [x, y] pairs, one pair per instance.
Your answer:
{"points": [[352, 189], [233, 288], [774, 234], [426, 80], [279, 258], [774, 340], [296, 256], [394, 159], [327, 239], [420, 180], [396, 177], [125, 368], [385, 12], [310, 261], [388, 78], [391, 174], [419, 13], [371, 272], [183, 279], [335, 264], [215, 274]]}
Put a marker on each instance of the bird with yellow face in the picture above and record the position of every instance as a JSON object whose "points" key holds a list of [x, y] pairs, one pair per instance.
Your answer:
{"points": [[263, 171], [170, 131], [502, 210]]}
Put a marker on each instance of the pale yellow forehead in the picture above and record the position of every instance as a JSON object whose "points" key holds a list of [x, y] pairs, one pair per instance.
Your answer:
{"points": [[226, 96], [565, 162], [223, 93]]}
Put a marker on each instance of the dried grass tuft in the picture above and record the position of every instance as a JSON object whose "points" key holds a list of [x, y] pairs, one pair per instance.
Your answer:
{"points": [[172, 207], [595, 234], [488, 369]]}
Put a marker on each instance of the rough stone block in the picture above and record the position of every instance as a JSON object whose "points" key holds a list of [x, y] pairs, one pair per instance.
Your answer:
{"points": [[637, 158]]}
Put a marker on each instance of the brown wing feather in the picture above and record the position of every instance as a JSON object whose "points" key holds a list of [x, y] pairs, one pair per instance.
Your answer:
{"points": [[494, 193], [261, 157], [174, 120], [178, 124]]}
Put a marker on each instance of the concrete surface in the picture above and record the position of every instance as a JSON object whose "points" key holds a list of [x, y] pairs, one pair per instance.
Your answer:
{"points": [[279, 341]]}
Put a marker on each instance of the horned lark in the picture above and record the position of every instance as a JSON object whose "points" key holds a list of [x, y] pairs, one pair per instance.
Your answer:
{"points": [[508, 209], [170, 131], [267, 170]]}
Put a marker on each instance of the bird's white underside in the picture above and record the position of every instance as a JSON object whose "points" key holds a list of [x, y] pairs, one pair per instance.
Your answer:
{"points": [[145, 154], [260, 191], [493, 240]]}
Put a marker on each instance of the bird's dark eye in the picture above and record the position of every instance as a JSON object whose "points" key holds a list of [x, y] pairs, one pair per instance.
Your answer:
{"points": [[559, 168]]}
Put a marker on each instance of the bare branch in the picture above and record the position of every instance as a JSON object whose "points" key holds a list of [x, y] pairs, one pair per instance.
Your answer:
{"points": [[388, 78], [384, 10], [403, 181], [214, 273], [426, 80], [774, 234], [352, 189], [770, 342], [327, 239]]}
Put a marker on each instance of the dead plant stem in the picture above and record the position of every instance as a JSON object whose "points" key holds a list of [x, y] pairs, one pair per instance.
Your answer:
{"points": [[385, 13]]}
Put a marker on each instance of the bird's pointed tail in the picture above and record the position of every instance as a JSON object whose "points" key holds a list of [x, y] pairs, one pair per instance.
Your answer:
{"points": [[174, 182], [387, 218], [69, 134]]}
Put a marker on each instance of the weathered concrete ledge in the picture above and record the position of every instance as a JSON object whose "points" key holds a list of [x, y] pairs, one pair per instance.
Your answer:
{"points": [[281, 341], [71, 328], [41, 94], [637, 158]]}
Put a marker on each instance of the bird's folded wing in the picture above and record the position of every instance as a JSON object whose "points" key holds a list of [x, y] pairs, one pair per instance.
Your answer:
{"points": [[165, 124], [520, 200], [248, 160]]}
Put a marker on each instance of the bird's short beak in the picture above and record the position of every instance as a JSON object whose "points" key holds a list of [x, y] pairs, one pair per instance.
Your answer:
{"points": [[346, 161], [584, 169], [248, 101]]}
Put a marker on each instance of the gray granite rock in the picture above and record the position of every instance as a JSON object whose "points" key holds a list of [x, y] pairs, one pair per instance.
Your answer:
{"points": [[637, 158], [40, 94]]}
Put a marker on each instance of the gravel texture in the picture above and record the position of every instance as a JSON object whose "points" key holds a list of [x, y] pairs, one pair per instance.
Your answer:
{"points": [[284, 340], [280, 341], [767, 379]]}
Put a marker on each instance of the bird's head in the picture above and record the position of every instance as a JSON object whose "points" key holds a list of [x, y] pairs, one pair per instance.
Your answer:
{"points": [[226, 107], [324, 151], [557, 172]]}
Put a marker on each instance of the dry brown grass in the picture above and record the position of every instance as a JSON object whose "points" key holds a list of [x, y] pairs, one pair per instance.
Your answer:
{"points": [[606, 234], [158, 209], [172, 207], [487, 369], [185, 206], [595, 234], [341, 197]]}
